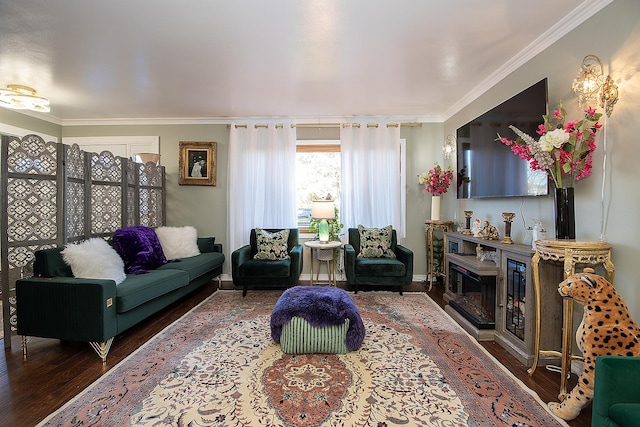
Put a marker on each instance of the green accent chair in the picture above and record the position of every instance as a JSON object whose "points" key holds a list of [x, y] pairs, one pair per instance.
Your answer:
{"points": [[377, 271], [256, 273], [616, 395]]}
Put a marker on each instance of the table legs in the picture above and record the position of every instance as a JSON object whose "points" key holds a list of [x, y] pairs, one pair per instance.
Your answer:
{"points": [[331, 271], [566, 354]]}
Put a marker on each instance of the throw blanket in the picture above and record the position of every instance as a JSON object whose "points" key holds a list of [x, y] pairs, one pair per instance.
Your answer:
{"points": [[320, 306], [139, 248]]}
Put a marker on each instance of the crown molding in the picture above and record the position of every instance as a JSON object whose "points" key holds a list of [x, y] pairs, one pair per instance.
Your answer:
{"points": [[567, 24], [228, 120]]}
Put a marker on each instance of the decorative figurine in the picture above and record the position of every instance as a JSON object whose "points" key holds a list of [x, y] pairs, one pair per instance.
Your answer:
{"points": [[489, 232], [476, 228], [538, 233], [607, 329], [467, 229], [508, 218]]}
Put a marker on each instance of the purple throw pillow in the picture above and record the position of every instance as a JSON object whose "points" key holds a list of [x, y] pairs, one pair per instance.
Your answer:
{"points": [[139, 248]]}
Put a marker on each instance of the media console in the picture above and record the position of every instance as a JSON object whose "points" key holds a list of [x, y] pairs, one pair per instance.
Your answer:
{"points": [[494, 300]]}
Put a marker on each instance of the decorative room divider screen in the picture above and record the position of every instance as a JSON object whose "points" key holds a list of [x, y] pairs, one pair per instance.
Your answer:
{"points": [[53, 194]]}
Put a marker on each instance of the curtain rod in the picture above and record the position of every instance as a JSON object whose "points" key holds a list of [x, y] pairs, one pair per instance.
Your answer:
{"points": [[330, 125]]}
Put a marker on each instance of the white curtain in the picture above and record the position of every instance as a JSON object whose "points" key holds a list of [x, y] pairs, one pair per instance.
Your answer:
{"points": [[371, 177], [261, 180]]}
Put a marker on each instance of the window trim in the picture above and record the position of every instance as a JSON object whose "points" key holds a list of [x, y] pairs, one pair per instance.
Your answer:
{"points": [[318, 148]]}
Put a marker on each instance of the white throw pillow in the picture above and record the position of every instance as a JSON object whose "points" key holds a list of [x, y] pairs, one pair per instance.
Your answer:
{"points": [[94, 259], [178, 242]]}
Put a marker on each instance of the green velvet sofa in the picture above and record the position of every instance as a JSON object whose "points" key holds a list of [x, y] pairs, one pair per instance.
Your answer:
{"points": [[54, 304], [616, 395], [396, 272], [247, 271]]}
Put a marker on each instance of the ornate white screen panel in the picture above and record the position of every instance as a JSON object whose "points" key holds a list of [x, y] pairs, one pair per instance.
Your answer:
{"points": [[56, 194]]}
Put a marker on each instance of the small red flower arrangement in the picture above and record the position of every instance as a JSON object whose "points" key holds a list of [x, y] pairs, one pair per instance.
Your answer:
{"points": [[437, 180]]}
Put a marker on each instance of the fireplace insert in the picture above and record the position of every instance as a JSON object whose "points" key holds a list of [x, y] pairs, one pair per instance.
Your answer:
{"points": [[476, 296]]}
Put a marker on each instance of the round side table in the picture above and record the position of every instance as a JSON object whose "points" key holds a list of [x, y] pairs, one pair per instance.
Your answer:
{"points": [[322, 255]]}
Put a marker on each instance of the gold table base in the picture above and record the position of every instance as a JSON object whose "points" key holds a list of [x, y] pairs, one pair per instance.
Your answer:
{"points": [[430, 226], [569, 252]]}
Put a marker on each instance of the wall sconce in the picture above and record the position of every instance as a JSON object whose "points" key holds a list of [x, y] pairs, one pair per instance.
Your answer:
{"points": [[19, 97], [449, 146], [592, 87]]}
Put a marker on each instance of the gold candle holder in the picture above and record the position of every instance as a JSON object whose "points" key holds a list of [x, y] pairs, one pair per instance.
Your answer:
{"points": [[467, 226], [508, 219]]}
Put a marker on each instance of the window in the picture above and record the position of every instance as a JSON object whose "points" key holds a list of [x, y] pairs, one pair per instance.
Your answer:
{"points": [[317, 175]]}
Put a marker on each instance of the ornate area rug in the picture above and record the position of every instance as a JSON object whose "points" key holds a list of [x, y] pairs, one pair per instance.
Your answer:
{"points": [[217, 366]]}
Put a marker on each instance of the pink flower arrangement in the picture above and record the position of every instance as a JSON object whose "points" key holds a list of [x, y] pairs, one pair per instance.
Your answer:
{"points": [[437, 180], [564, 150]]}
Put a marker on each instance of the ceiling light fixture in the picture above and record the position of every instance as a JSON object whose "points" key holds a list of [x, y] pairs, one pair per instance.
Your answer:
{"points": [[19, 97], [592, 87], [449, 146]]}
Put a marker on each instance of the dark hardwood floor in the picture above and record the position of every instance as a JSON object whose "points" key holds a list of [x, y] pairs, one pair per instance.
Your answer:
{"points": [[54, 372]]}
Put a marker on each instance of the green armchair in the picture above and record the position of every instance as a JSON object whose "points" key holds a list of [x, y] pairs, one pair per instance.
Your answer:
{"points": [[247, 271], [616, 394], [377, 271]]}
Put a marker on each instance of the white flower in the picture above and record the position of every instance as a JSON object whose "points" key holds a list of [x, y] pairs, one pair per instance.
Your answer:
{"points": [[553, 139]]}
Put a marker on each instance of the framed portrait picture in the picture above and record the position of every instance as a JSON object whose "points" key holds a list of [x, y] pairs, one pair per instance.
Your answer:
{"points": [[197, 163]]}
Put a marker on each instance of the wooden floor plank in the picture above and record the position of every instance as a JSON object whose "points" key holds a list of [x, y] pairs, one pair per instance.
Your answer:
{"points": [[56, 372]]}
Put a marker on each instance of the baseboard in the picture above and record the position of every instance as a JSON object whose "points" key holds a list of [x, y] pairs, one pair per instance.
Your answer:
{"points": [[419, 284], [304, 277]]}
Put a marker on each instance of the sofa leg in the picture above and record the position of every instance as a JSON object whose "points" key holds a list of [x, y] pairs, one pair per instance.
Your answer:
{"points": [[102, 348], [244, 290]]}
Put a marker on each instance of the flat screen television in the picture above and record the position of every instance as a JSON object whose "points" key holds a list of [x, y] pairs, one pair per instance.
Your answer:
{"points": [[488, 168]]}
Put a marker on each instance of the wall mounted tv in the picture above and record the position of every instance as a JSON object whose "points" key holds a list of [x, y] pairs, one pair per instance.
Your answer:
{"points": [[488, 168]]}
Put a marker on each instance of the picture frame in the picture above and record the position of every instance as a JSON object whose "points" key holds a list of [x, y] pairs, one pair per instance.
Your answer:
{"points": [[198, 163]]}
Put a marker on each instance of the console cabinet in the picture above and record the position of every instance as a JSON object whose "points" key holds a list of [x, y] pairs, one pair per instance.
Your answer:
{"points": [[508, 268]]}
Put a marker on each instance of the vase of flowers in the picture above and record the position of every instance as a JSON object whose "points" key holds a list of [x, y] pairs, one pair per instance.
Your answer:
{"points": [[436, 182], [564, 150]]}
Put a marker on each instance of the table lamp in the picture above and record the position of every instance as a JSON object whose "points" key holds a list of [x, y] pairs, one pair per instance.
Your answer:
{"points": [[323, 210], [148, 157]]}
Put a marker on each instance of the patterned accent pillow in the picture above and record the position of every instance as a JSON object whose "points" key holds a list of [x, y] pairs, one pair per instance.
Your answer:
{"points": [[375, 242], [272, 246]]}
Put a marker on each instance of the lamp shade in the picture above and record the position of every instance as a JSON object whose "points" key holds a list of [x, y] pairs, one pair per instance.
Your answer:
{"points": [[148, 157], [323, 209]]}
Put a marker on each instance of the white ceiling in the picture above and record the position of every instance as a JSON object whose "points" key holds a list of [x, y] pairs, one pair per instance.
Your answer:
{"points": [[306, 59]]}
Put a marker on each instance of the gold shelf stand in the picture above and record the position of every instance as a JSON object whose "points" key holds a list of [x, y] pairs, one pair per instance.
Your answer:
{"points": [[430, 226], [570, 253]]}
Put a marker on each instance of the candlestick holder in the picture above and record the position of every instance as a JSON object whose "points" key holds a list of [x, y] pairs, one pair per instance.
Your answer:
{"points": [[508, 219], [467, 227]]}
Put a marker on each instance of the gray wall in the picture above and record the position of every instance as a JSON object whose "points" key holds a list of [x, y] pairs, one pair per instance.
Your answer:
{"points": [[205, 207], [613, 34]]}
